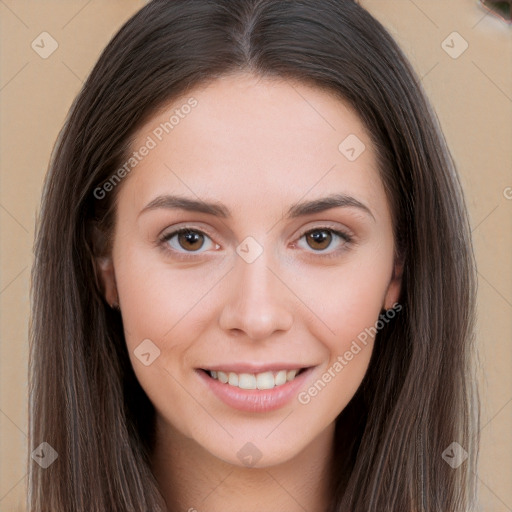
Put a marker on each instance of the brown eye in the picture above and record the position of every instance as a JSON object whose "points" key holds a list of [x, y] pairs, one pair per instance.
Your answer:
{"points": [[326, 242], [319, 239], [187, 243], [186, 240], [190, 240]]}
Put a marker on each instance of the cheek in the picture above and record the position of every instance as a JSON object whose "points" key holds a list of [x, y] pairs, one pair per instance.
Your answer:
{"points": [[350, 315], [346, 299], [156, 299], [352, 306], [158, 308]]}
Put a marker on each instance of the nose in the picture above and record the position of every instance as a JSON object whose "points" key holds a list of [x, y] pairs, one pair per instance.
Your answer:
{"points": [[258, 303]]}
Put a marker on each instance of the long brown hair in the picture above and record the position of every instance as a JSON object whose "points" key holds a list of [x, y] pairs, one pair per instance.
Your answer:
{"points": [[418, 395]]}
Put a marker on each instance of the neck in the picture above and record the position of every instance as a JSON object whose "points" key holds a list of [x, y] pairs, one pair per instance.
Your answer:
{"points": [[192, 479]]}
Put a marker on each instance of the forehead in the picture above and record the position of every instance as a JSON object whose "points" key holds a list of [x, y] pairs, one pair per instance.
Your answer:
{"points": [[243, 139]]}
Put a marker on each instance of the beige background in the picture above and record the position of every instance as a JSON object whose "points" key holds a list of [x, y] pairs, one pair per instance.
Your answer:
{"points": [[472, 95]]}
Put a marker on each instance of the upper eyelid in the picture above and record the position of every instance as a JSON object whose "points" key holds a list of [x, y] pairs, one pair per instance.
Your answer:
{"points": [[176, 230], [329, 226]]}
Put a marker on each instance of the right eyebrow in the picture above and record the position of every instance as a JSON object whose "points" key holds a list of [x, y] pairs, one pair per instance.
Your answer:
{"points": [[184, 203]]}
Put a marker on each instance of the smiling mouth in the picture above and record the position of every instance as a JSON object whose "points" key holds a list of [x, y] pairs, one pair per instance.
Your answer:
{"points": [[261, 381]]}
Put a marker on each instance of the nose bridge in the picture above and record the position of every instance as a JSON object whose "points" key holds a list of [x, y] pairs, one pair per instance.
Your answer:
{"points": [[258, 304], [256, 281]]}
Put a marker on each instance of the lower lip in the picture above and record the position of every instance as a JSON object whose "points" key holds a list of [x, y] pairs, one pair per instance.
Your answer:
{"points": [[254, 400]]}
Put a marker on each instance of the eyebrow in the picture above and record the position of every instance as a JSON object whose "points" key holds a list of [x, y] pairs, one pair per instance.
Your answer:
{"points": [[219, 210]]}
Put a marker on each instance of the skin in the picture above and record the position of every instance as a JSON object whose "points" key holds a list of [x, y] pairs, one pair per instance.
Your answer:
{"points": [[258, 146]]}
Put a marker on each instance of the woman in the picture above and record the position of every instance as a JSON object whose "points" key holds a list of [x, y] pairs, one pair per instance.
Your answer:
{"points": [[254, 287]]}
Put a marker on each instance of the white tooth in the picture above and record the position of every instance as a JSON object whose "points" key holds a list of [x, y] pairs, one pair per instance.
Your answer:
{"points": [[290, 374], [280, 378], [265, 380], [247, 381], [233, 379], [214, 374], [222, 377]]}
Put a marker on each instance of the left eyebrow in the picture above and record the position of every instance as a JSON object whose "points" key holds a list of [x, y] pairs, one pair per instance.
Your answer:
{"points": [[326, 203]]}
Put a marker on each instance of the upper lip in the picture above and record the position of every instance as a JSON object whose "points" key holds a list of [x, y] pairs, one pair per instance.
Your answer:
{"points": [[254, 367]]}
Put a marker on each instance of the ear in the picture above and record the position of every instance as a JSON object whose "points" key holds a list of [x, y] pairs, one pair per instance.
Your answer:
{"points": [[107, 278], [395, 284], [101, 255]]}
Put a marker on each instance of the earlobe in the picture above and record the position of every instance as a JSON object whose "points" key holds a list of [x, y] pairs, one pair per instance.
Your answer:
{"points": [[107, 278]]}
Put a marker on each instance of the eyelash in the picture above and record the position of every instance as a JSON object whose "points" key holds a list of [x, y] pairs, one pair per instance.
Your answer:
{"points": [[164, 239]]}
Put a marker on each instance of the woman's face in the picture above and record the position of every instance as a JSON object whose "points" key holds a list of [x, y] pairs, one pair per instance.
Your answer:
{"points": [[271, 277]]}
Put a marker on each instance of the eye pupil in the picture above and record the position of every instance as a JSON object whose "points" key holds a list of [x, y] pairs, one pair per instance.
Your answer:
{"points": [[191, 237], [320, 237]]}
